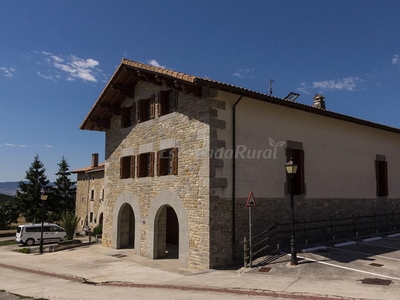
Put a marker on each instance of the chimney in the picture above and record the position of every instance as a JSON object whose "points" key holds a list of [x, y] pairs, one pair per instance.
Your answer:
{"points": [[319, 101], [95, 159]]}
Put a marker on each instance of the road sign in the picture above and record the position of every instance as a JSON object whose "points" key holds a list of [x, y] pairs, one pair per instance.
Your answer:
{"points": [[251, 202]]}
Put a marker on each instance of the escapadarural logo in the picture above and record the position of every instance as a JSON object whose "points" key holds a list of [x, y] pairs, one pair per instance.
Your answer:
{"points": [[244, 153]]}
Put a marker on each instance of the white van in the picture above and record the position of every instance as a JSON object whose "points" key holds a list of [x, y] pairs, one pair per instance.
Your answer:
{"points": [[30, 234]]}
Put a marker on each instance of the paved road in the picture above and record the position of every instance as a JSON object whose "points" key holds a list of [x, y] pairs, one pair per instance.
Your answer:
{"points": [[94, 271]]}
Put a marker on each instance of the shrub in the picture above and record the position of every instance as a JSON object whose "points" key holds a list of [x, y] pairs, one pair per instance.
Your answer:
{"points": [[98, 230], [69, 221]]}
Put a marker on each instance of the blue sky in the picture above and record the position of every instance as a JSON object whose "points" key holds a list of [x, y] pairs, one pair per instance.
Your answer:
{"points": [[57, 56]]}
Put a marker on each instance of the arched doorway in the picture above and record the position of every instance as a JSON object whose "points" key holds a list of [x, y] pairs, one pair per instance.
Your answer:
{"points": [[167, 221], [126, 227], [167, 230], [101, 219]]}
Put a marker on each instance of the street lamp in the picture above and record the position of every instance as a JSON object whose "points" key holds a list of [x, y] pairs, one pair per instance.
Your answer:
{"points": [[291, 169], [43, 198]]}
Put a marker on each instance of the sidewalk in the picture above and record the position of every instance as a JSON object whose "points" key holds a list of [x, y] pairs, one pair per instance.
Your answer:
{"points": [[105, 267]]}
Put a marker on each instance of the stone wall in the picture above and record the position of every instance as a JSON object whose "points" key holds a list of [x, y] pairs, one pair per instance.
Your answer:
{"points": [[188, 130], [84, 203]]}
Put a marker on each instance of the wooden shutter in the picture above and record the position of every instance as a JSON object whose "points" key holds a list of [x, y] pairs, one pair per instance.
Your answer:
{"points": [[133, 113], [297, 156], [125, 111], [158, 163], [175, 161], [152, 106], [381, 178], [151, 171], [139, 165], [175, 99], [132, 175], [162, 97], [121, 169]]}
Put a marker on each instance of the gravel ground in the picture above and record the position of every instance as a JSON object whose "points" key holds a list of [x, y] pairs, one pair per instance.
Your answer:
{"points": [[9, 296]]}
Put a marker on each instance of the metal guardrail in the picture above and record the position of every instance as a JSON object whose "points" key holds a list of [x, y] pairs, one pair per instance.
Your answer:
{"points": [[278, 236]]}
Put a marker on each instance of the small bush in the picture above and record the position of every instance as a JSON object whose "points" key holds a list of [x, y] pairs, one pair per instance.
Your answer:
{"points": [[98, 230]]}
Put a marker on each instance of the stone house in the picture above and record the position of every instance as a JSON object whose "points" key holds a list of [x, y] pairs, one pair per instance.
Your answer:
{"points": [[183, 153], [90, 194]]}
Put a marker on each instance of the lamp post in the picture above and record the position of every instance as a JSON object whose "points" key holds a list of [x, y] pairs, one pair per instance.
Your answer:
{"points": [[43, 198], [291, 169]]}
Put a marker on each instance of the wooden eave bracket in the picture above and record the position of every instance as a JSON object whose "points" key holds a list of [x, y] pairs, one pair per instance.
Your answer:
{"points": [[124, 90], [112, 109], [101, 123]]}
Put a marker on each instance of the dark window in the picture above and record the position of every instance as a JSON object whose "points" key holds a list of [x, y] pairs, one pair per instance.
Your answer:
{"points": [[167, 102], [127, 167], [128, 116], [381, 178], [146, 109], [91, 217], [167, 162], [297, 156], [92, 195], [145, 164], [102, 191]]}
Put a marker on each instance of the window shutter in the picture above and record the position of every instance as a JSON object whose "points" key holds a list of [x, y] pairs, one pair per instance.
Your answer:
{"points": [[121, 169], [152, 106], [139, 165], [175, 161], [175, 97], [300, 176], [124, 116], [133, 113], [158, 163], [382, 178], [151, 171], [132, 166], [161, 103]]}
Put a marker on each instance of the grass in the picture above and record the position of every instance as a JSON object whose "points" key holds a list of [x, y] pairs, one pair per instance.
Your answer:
{"points": [[7, 243], [23, 250]]}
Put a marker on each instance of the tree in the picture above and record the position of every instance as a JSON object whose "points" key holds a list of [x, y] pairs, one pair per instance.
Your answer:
{"points": [[63, 195], [28, 197], [9, 211]]}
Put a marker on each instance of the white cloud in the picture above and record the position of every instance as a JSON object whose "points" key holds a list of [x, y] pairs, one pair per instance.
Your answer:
{"points": [[74, 67], [154, 63], [345, 84], [396, 60], [48, 146], [304, 88], [8, 72], [9, 145], [244, 73]]}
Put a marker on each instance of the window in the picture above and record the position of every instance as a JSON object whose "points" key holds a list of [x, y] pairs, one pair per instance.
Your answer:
{"points": [[145, 164], [146, 109], [167, 102], [381, 177], [92, 195], [297, 156], [83, 199], [167, 162], [91, 217], [128, 116], [127, 167]]}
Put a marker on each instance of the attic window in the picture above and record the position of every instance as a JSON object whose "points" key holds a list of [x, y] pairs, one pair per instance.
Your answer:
{"points": [[167, 102], [146, 109], [128, 116]]}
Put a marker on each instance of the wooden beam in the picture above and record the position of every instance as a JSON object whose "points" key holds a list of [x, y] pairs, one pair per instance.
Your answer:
{"points": [[113, 109], [101, 123], [141, 75], [124, 90]]}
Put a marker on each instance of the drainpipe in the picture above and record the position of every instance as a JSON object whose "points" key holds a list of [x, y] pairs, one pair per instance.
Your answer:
{"points": [[234, 177], [87, 199]]}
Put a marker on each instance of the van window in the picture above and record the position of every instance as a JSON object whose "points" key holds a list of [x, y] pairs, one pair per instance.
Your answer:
{"points": [[19, 229]]}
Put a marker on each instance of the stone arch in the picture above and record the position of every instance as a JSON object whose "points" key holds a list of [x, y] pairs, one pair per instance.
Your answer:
{"points": [[100, 217], [126, 198], [168, 198]]}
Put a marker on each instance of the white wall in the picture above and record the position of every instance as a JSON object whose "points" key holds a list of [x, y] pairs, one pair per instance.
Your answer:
{"points": [[339, 155]]}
